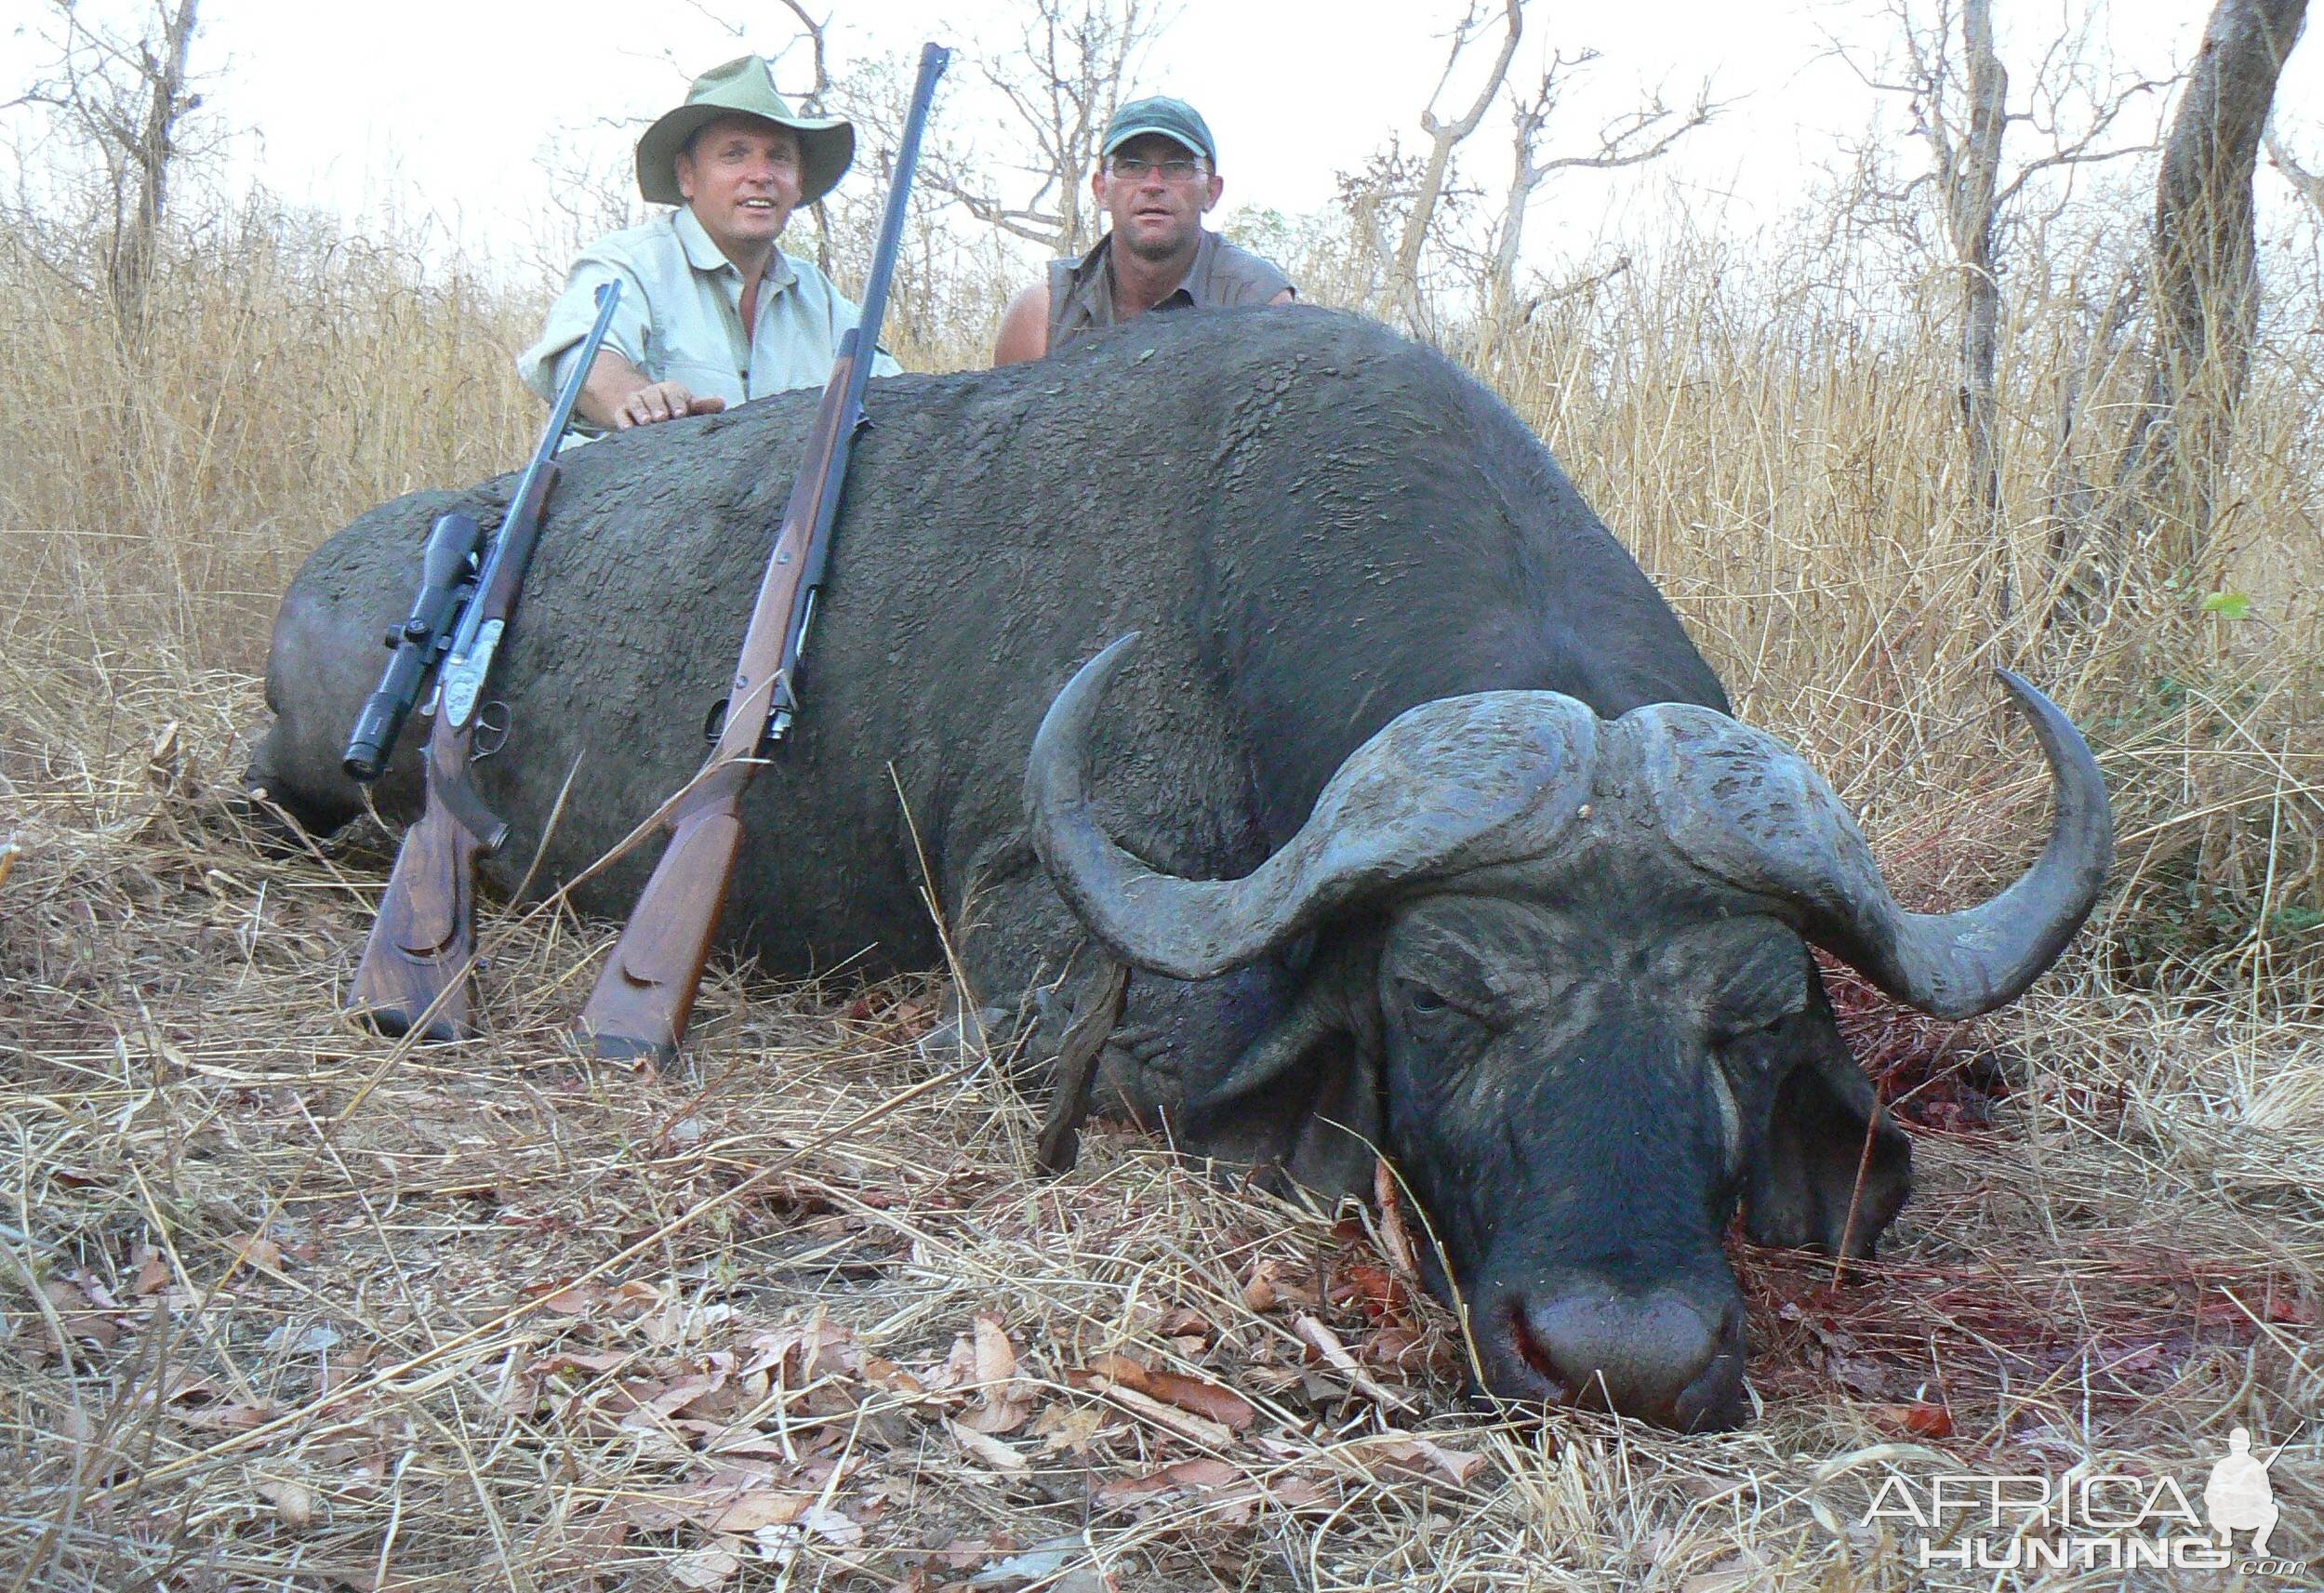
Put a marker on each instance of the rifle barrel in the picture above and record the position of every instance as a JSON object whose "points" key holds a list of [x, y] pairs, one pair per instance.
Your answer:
{"points": [[646, 994]]}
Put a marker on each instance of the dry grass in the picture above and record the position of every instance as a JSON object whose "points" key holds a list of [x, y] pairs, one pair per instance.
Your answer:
{"points": [[289, 1306]]}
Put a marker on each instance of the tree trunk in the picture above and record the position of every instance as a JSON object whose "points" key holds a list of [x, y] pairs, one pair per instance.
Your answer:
{"points": [[1442, 138], [1525, 175], [2205, 282], [163, 66], [1969, 217]]}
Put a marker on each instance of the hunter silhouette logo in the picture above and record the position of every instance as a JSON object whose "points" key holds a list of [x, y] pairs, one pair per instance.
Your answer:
{"points": [[2238, 1498]]}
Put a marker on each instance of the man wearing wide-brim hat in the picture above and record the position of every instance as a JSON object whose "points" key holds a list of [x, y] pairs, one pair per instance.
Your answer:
{"points": [[1157, 177], [711, 313]]}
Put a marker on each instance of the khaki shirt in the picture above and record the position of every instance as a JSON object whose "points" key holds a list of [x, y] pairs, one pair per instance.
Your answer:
{"points": [[681, 316], [1080, 291]]}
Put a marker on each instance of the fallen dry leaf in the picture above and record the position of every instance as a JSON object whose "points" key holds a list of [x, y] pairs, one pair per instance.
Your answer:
{"points": [[1415, 1454], [1003, 1403], [293, 1502], [704, 1568], [1204, 1473], [225, 1418], [995, 1454], [1219, 1404], [762, 1507], [1394, 1235], [996, 1357], [1185, 1424], [80, 1319], [1070, 1429], [1335, 1355], [153, 1273], [256, 1250], [1920, 1418], [1731, 1574]]}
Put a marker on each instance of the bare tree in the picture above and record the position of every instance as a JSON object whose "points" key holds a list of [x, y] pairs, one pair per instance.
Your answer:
{"points": [[1958, 88], [1371, 197], [1429, 186], [128, 97], [1970, 169], [1059, 90], [1632, 139], [2204, 273]]}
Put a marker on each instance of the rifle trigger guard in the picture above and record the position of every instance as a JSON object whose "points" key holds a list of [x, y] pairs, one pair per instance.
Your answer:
{"points": [[491, 731], [715, 721]]}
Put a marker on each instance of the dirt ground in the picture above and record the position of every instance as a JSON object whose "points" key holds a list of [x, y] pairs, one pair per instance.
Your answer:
{"points": [[291, 1305]]}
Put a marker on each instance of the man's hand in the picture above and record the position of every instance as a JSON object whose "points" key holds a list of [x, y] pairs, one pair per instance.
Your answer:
{"points": [[662, 401], [616, 397]]}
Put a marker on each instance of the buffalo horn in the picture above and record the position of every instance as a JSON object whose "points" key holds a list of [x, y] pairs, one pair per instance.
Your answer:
{"points": [[1455, 784], [1748, 811]]}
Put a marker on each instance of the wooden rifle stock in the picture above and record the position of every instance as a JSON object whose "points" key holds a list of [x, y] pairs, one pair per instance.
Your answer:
{"points": [[646, 994], [417, 965]]}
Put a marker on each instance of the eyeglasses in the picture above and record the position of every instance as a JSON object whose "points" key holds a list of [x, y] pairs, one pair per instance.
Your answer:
{"points": [[1176, 169]]}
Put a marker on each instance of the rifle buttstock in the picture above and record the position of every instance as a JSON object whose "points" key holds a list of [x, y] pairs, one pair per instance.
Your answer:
{"points": [[421, 950], [646, 994]]}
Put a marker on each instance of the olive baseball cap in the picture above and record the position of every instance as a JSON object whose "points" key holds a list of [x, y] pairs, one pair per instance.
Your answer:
{"points": [[743, 87], [1173, 119]]}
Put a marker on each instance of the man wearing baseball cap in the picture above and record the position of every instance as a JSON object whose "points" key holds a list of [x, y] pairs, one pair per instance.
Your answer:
{"points": [[1157, 177], [711, 313]]}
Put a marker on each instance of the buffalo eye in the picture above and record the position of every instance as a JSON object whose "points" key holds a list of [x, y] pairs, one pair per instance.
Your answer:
{"points": [[1427, 1004], [1423, 1000]]}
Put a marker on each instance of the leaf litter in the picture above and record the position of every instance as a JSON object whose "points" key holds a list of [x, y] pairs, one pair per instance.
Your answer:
{"points": [[316, 1304]]}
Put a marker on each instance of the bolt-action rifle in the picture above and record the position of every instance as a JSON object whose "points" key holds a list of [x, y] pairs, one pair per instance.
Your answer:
{"points": [[419, 961], [646, 994]]}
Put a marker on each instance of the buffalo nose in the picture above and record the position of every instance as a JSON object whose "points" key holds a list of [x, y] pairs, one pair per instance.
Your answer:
{"points": [[1658, 1356]]}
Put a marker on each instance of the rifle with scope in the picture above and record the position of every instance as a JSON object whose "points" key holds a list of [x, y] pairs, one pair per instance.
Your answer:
{"points": [[418, 963]]}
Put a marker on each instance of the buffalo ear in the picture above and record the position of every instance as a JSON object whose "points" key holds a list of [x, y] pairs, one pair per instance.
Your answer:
{"points": [[1812, 1165], [1302, 1104]]}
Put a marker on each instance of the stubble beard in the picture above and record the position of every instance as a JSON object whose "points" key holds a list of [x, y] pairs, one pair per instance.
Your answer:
{"points": [[1162, 253]]}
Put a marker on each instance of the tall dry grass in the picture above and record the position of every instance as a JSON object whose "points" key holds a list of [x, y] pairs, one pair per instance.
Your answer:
{"points": [[1773, 436], [315, 1285]]}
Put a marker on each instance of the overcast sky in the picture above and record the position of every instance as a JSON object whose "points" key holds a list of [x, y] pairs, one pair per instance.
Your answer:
{"points": [[442, 108]]}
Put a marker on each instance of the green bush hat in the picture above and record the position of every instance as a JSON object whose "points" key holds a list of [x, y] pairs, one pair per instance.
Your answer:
{"points": [[1173, 119], [744, 86]]}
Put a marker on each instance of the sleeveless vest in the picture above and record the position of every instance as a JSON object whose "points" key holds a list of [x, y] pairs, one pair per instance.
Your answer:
{"points": [[1080, 291]]}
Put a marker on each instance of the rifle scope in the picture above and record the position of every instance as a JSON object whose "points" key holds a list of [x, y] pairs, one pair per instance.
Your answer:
{"points": [[418, 643]]}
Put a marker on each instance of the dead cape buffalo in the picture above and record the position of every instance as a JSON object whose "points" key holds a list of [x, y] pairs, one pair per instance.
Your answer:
{"points": [[1414, 810]]}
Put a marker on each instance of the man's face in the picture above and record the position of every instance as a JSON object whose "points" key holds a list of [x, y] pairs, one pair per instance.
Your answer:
{"points": [[1155, 214], [740, 177]]}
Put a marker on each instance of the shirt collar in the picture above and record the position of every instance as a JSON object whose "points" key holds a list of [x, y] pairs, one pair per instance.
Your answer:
{"points": [[704, 255], [1096, 267]]}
